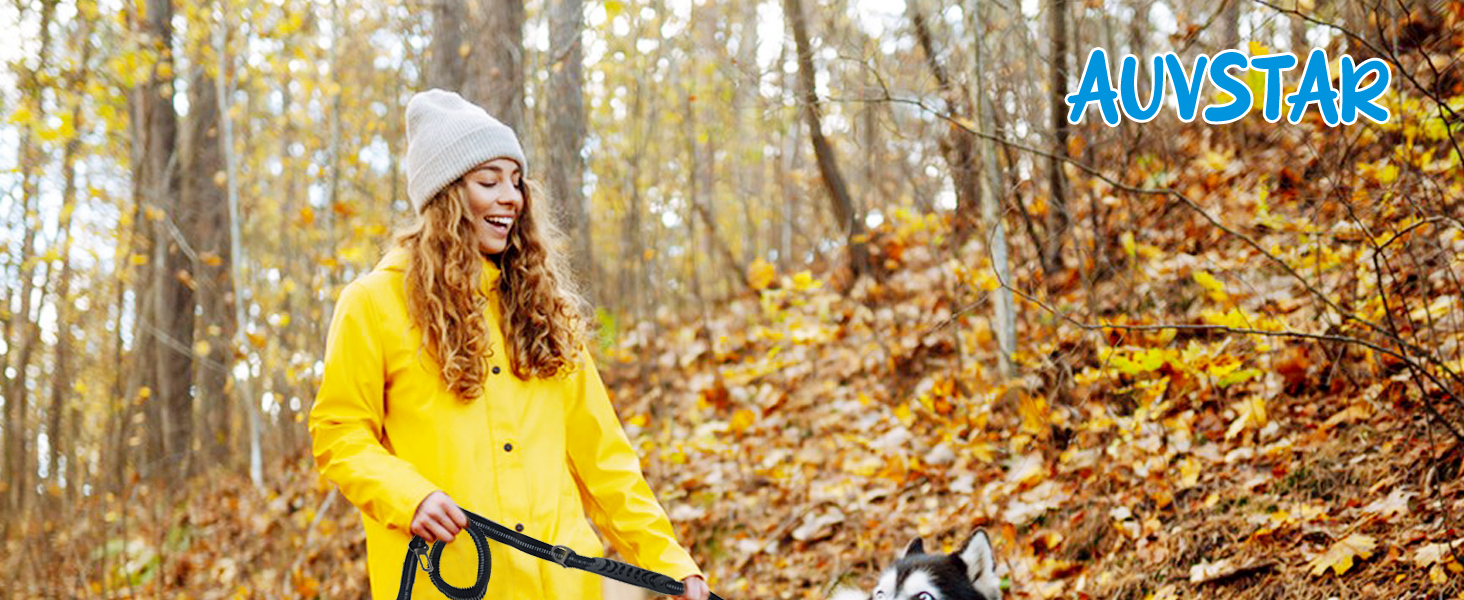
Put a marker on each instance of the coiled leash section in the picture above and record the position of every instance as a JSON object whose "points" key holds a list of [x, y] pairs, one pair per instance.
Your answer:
{"points": [[480, 529]]}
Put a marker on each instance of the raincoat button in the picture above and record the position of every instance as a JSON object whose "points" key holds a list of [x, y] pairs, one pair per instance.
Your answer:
{"points": [[519, 528], [495, 369], [508, 447]]}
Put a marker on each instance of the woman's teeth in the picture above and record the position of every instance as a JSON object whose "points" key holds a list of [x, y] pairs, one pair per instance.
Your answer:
{"points": [[503, 222]]}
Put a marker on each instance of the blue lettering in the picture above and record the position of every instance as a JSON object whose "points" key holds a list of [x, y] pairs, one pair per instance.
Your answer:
{"points": [[1220, 75], [1129, 87], [1273, 65], [1355, 99], [1316, 86], [1187, 86], [1096, 86]]}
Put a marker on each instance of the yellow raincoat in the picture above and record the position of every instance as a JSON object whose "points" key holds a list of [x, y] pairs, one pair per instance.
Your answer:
{"points": [[534, 455]]}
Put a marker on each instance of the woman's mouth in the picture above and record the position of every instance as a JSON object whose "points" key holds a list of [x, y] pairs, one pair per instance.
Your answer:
{"points": [[499, 225]]}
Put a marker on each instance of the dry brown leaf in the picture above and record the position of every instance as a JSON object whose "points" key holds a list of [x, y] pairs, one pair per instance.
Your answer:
{"points": [[1339, 556], [1436, 553], [1396, 504]]}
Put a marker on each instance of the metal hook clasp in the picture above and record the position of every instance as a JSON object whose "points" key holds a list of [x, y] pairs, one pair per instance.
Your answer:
{"points": [[564, 559], [422, 558]]}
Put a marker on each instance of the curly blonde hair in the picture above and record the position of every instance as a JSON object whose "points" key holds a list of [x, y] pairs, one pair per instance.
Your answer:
{"points": [[542, 323]]}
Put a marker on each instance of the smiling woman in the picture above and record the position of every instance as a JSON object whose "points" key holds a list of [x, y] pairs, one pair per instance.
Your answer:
{"points": [[456, 378]]}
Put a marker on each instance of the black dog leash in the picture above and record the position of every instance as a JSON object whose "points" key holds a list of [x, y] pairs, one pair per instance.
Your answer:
{"points": [[480, 529]]}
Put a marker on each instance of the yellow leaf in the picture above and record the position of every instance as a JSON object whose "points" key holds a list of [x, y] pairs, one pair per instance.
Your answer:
{"points": [[1128, 244], [1214, 161], [1213, 286], [22, 116], [761, 274], [256, 339], [902, 412], [1340, 555], [741, 420], [1189, 472], [202, 348], [307, 216], [1034, 414], [1251, 412], [211, 259], [144, 392], [1388, 174], [804, 281], [353, 253]]}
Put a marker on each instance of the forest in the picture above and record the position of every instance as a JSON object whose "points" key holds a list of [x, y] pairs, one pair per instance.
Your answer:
{"points": [[855, 276]]}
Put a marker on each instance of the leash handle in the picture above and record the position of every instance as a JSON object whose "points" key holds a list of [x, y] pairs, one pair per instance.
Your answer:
{"points": [[481, 529]]}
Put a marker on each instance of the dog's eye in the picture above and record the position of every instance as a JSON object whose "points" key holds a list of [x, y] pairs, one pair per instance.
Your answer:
{"points": [[924, 596]]}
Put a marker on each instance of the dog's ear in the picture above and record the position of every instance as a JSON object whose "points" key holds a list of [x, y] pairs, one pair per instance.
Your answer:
{"points": [[916, 546], [980, 564], [977, 555]]}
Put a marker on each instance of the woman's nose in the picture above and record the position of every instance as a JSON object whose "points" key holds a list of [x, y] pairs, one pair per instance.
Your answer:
{"points": [[514, 197]]}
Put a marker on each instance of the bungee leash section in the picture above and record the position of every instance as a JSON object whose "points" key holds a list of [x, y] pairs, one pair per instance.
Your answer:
{"points": [[482, 529]]}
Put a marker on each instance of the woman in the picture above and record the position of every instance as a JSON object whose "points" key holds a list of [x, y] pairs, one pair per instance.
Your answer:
{"points": [[455, 375]]}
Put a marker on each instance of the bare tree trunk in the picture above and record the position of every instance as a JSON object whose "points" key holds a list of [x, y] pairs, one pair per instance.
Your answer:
{"points": [[19, 468], [236, 252], [172, 316], [1139, 34], [447, 52], [745, 99], [495, 70], [843, 204], [1299, 45], [788, 143], [1232, 24], [1058, 219], [1003, 307], [566, 112], [203, 162], [61, 378], [957, 146]]}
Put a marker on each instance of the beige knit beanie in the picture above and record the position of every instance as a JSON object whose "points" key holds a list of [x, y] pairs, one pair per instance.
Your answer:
{"points": [[446, 137]]}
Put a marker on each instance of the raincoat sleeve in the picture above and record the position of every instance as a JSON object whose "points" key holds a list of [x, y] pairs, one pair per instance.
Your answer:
{"points": [[346, 422], [616, 494]]}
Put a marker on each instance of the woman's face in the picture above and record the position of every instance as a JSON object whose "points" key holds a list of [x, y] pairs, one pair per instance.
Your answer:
{"points": [[495, 200]]}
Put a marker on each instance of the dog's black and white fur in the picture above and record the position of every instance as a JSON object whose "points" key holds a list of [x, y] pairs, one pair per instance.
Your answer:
{"points": [[967, 574]]}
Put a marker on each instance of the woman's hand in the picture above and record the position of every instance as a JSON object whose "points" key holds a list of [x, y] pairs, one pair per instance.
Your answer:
{"points": [[439, 518], [696, 588]]}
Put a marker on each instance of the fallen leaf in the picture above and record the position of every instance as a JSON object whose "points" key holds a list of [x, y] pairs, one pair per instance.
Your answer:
{"points": [[1339, 556], [1396, 504], [1435, 553]]}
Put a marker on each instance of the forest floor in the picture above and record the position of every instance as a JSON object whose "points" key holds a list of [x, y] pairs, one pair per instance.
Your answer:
{"points": [[801, 438]]}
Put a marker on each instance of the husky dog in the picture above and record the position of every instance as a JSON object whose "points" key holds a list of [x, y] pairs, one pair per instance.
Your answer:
{"points": [[968, 574]]}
